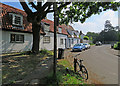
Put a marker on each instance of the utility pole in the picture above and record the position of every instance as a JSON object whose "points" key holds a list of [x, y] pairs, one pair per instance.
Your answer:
{"points": [[55, 39]]}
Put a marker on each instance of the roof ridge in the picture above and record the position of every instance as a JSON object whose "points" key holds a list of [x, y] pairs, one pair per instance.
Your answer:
{"points": [[12, 7]]}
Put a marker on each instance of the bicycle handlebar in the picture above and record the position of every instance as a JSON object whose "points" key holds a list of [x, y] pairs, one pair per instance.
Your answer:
{"points": [[77, 55]]}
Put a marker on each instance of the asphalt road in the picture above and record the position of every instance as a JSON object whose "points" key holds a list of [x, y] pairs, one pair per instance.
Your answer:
{"points": [[102, 64]]}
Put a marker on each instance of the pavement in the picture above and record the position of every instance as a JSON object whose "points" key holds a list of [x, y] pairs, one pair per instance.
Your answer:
{"points": [[101, 62]]}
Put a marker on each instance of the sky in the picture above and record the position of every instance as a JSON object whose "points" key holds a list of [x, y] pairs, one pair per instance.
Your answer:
{"points": [[93, 24]]}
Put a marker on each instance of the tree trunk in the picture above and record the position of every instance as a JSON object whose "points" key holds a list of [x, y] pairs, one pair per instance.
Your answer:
{"points": [[36, 38]]}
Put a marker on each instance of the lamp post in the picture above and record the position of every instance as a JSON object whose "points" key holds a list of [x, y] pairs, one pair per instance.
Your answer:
{"points": [[55, 39]]}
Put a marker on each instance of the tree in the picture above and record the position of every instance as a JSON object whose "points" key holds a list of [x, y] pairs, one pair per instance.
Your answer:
{"points": [[110, 35], [92, 34], [86, 37], [76, 11], [108, 25]]}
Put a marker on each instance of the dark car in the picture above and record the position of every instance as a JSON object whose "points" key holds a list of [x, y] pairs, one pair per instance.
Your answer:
{"points": [[112, 45], [98, 43]]}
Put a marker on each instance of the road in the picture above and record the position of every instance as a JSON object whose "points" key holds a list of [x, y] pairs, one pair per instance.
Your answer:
{"points": [[102, 64]]}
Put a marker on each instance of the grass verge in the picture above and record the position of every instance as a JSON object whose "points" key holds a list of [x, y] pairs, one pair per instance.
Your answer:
{"points": [[63, 76]]}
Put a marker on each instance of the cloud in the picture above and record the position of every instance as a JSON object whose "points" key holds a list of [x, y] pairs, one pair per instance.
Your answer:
{"points": [[96, 22]]}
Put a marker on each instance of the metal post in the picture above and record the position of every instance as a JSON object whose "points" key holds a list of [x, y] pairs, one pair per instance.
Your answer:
{"points": [[75, 64], [55, 39]]}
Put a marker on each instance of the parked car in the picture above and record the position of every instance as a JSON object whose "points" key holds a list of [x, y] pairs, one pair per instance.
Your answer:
{"points": [[98, 43], [77, 47], [87, 46], [83, 46]]}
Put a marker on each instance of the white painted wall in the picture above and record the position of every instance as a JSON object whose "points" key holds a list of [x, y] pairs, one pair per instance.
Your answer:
{"points": [[61, 36], [15, 47], [48, 46]]}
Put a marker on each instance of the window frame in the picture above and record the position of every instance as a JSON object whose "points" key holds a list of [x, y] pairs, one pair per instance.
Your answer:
{"points": [[13, 19], [19, 40], [61, 43], [59, 29], [44, 41]]}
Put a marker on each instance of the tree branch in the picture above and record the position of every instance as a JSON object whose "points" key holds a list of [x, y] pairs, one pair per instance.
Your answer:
{"points": [[61, 6], [33, 5], [25, 7], [45, 5], [39, 5]]}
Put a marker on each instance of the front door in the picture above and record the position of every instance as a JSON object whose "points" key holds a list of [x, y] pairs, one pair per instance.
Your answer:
{"points": [[69, 44], [65, 43]]}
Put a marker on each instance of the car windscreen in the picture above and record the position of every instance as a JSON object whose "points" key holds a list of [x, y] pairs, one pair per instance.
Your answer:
{"points": [[77, 45]]}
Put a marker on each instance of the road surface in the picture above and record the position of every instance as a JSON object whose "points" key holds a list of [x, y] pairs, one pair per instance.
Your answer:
{"points": [[102, 64]]}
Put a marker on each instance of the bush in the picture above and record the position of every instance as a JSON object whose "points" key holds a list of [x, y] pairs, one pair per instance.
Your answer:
{"points": [[91, 43], [86, 38], [117, 46], [44, 51]]}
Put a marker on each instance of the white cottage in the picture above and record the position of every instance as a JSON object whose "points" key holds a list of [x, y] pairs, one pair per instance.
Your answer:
{"points": [[48, 39], [16, 31]]}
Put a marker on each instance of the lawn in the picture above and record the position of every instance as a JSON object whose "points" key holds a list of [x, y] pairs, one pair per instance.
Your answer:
{"points": [[17, 67]]}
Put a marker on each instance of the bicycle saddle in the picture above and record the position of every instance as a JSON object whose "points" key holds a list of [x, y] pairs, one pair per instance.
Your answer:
{"points": [[81, 60]]}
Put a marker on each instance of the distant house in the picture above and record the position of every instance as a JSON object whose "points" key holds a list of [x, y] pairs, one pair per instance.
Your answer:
{"points": [[16, 30], [48, 39], [73, 36]]}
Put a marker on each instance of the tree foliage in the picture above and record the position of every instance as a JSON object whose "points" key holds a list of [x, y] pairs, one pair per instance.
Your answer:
{"points": [[92, 35], [80, 11], [67, 12], [86, 38]]}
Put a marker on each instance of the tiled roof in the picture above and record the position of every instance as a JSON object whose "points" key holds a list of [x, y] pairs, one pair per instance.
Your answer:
{"points": [[6, 22], [71, 28], [52, 26]]}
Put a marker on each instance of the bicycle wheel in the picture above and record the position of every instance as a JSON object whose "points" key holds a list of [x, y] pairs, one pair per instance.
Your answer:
{"points": [[83, 72]]}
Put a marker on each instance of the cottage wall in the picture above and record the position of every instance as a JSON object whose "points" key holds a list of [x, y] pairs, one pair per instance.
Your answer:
{"points": [[15, 47]]}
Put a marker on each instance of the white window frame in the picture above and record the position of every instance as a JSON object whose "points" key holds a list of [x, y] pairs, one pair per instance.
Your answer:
{"points": [[61, 41], [17, 40], [13, 19], [46, 40], [60, 30]]}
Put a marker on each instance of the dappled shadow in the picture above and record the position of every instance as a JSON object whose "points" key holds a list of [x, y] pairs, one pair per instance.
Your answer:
{"points": [[17, 67], [61, 76]]}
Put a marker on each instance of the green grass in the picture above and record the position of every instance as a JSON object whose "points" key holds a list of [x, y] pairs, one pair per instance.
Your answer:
{"points": [[17, 67], [91, 43], [62, 76]]}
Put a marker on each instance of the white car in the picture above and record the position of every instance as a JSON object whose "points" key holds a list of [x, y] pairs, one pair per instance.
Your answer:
{"points": [[87, 45]]}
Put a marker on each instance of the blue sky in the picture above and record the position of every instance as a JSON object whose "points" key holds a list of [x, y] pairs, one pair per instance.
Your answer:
{"points": [[93, 24]]}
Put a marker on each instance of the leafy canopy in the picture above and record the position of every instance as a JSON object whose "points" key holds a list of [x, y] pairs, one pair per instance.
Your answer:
{"points": [[67, 11], [80, 11]]}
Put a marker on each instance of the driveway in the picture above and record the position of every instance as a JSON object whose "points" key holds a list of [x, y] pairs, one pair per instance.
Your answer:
{"points": [[101, 62]]}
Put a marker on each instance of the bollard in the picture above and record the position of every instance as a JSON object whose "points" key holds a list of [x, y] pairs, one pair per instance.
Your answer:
{"points": [[75, 64]]}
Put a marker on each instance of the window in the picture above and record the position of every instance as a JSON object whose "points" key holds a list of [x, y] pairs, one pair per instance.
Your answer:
{"points": [[16, 19], [17, 38], [77, 40], [46, 39], [60, 30], [61, 41]]}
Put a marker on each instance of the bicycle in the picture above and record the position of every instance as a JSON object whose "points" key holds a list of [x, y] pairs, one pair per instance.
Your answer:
{"points": [[82, 69]]}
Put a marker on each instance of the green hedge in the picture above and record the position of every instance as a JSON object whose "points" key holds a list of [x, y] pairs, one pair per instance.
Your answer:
{"points": [[116, 45]]}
